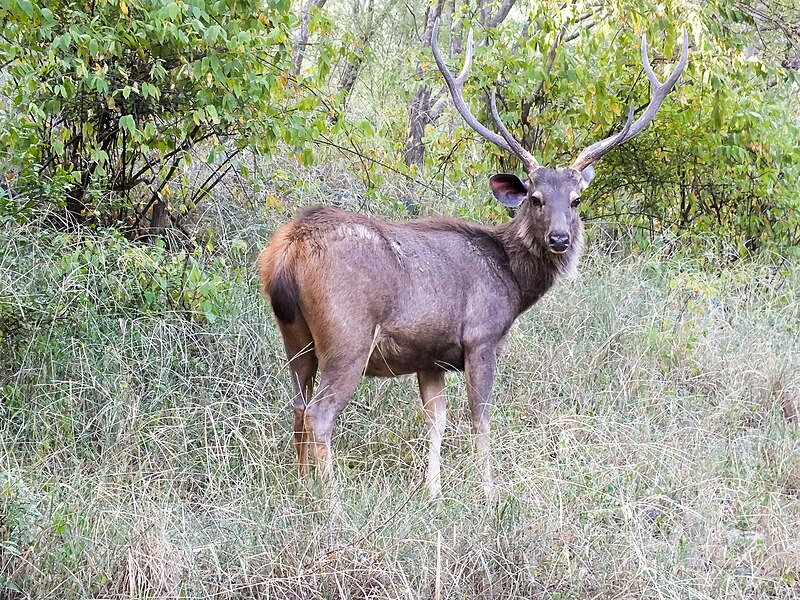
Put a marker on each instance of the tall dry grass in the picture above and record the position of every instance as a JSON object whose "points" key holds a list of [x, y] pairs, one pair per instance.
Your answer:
{"points": [[645, 438]]}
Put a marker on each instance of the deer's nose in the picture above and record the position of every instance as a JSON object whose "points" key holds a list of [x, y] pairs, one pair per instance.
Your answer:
{"points": [[558, 242]]}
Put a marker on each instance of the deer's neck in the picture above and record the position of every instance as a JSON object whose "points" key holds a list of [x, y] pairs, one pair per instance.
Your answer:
{"points": [[533, 266]]}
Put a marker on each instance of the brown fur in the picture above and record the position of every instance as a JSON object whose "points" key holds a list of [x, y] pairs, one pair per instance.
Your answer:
{"points": [[355, 295]]}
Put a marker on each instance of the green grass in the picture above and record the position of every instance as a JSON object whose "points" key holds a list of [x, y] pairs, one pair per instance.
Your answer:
{"points": [[645, 438]]}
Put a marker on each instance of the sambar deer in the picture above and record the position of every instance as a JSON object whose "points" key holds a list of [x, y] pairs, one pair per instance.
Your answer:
{"points": [[355, 295]]}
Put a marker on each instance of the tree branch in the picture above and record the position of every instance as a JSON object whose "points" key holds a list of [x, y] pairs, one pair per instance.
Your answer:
{"points": [[502, 12]]}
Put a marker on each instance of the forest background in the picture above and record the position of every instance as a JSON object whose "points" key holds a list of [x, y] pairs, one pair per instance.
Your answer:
{"points": [[646, 423]]}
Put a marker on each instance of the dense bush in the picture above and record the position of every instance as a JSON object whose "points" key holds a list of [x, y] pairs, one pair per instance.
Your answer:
{"points": [[107, 101], [62, 281], [721, 157]]}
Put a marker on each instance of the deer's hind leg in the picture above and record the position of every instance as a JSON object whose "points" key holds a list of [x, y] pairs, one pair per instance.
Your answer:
{"points": [[303, 363], [343, 351]]}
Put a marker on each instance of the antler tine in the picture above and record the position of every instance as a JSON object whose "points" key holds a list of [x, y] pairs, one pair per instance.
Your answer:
{"points": [[659, 92], [462, 76], [456, 84], [598, 149], [526, 157]]}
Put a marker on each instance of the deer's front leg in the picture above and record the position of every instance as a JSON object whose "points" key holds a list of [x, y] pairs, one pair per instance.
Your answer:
{"points": [[434, 403], [480, 367]]}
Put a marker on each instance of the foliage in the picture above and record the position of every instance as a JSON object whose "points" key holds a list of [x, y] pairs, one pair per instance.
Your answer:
{"points": [[110, 99], [62, 281], [645, 422], [721, 157]]}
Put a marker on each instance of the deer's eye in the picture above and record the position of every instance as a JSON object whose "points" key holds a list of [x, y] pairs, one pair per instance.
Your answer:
{"points": [[575, 198], [537, 198]]}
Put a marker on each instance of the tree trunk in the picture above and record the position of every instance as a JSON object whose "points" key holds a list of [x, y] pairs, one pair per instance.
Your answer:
{"points": [[418, 118], [159, 219], [299, 48], [420, 107], [356, 60], [350, 74], [75, 205]]}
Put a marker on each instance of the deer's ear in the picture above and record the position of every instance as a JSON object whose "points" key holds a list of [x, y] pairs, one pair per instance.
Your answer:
{"points": [[509, 190], [588, 177]]}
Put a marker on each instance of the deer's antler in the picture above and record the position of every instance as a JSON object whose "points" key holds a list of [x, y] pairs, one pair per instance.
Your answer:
{"points": [[456, 85], [659, 93]]}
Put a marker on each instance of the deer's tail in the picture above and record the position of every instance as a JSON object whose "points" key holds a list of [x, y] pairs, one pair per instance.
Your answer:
{"points": [[277, 271]]}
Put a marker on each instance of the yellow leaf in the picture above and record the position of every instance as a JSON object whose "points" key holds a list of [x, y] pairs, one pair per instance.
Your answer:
{"points": [[111, 104], [790, 577], [123, 8], [274, 202]]}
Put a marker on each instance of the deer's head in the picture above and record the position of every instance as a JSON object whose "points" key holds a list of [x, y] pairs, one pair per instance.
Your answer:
{"points": [[548, 198]]}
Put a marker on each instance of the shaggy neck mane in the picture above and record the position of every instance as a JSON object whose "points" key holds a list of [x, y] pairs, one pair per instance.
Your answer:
{"points": [[534, 266]]}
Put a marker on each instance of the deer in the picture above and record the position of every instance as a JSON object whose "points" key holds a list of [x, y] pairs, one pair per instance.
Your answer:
{"points": [[354, 295]]}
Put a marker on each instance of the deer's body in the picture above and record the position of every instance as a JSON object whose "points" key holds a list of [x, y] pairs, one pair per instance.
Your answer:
{"points": [[354, 295], [414, 294]]}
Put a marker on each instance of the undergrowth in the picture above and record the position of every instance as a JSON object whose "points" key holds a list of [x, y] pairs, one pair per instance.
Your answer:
{"points": [[645, 437]]}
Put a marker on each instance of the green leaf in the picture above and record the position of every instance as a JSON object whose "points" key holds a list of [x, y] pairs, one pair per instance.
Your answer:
{"points": [[211, 111], [127, 123], [26, 6], [365, 127], [173, 10]]}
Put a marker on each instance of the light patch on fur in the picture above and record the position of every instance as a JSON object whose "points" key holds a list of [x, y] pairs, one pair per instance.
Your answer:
{"points": [[567, 263], [526, 237], [355, 230], [398, 250], [384, 348], [501, 346]]}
